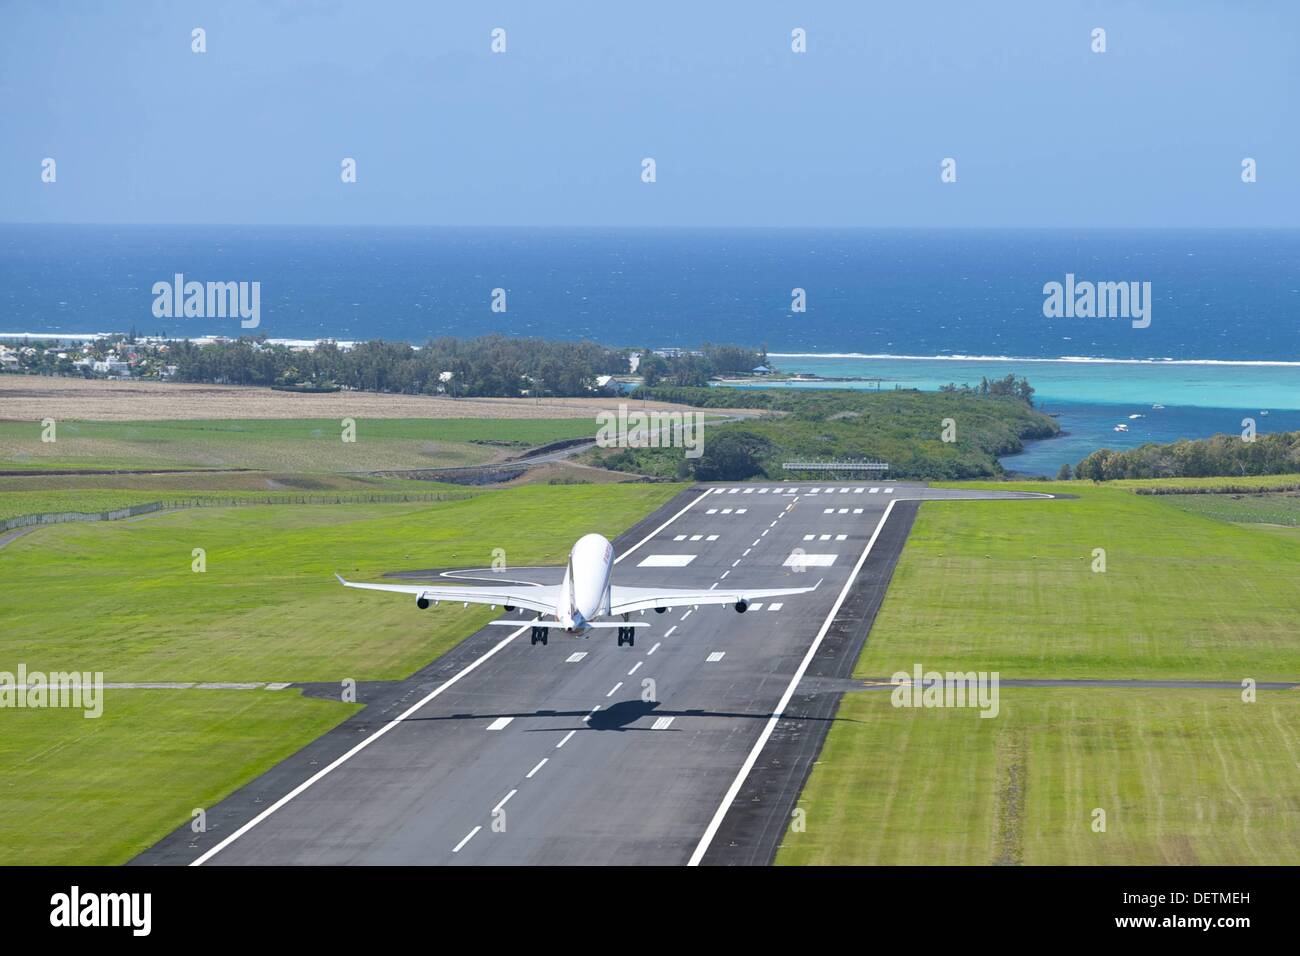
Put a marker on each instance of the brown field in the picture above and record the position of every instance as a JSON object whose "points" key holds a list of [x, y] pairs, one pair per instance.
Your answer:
{"points": [[32, 398]]}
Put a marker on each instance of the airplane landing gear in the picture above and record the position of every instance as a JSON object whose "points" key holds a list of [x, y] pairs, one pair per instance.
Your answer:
{"points": [[540, 635], [626, 635]]}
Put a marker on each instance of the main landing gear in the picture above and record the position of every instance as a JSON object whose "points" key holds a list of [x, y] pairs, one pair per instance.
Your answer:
{"points": [[540, 634], [626, 635]]}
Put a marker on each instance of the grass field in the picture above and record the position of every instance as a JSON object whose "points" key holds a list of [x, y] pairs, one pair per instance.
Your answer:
{"points": [[1184, 777], [1009, 586], [93, 792], [286, 445], [121, 598], [1242, 509]]}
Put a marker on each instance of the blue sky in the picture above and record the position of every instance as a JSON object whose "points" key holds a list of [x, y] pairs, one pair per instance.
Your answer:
{"points": [[744, 132]]}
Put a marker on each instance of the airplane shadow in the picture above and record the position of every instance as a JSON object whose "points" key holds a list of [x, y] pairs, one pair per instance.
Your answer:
{"points": [[620, 716]]}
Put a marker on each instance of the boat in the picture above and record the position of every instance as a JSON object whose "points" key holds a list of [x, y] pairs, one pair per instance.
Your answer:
{"points": [[1157, 406], [1121, 428], [1137, 416]]}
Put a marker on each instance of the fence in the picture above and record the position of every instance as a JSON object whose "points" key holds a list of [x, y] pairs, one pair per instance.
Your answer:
{"points": [[60, 517]]}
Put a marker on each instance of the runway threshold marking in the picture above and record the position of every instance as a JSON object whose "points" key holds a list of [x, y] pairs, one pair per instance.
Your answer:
{"points": [[730, 796], [467, 669]]}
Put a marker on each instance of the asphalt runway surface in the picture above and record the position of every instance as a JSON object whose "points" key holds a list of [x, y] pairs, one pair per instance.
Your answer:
{"points": [[689, 747]]}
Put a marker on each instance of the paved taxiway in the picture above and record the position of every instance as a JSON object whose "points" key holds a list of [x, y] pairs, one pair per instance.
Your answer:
{"points": [[690, 746]]}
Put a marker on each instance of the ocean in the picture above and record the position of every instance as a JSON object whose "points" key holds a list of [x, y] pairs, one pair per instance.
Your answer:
{"points": [[900, 305]]}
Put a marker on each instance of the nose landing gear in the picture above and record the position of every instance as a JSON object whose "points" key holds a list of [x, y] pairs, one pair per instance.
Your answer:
{"points": [[540, 635], [626, 635]]}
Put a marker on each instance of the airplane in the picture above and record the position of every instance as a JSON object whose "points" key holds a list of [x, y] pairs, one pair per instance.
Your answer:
{"points": [[584, 595]]}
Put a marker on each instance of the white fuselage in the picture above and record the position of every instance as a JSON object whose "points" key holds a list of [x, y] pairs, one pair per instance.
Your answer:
{"points": [[584, 595]]}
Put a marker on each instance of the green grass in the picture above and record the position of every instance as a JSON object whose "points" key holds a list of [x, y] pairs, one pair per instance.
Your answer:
{"points": [[1185, 777], [120, 597], [1248, 509], [290, 445], [1009, 586], [91, 792]]}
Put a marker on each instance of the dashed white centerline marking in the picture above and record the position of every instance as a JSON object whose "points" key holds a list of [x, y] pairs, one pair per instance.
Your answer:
{"points": [[656, 647], [468, 836], [503, 800], [500, 723], [614, 689], [565, 740], [540, 764], [736, 562], [590, 712], [724, 576], [667, 633], [635, 667], [746, 554], [755, 544], [687, 614]]}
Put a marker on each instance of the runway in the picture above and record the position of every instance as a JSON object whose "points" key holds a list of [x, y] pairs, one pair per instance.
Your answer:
{"points": [[689, 747]]}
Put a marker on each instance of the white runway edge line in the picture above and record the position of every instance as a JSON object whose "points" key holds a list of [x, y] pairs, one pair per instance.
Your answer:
{"points": [[325, 771], [750, 760], [759, 744]]}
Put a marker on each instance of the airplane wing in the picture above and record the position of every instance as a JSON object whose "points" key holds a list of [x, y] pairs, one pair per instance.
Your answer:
{"points": [[624, 600], [543, 598]]}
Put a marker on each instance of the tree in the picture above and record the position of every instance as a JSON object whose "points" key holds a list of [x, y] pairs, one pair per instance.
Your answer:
{"points": [[1065, 474], [732, 455]]}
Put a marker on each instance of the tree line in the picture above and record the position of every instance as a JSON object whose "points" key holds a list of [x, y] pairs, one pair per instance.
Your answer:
{"points": [[1230, 455]]}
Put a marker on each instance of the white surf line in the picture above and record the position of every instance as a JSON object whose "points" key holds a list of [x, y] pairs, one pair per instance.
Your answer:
{"points": [[503, 800], [340, 761], [540, 765], [565, 740], [457, 848], [709, 833]]}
